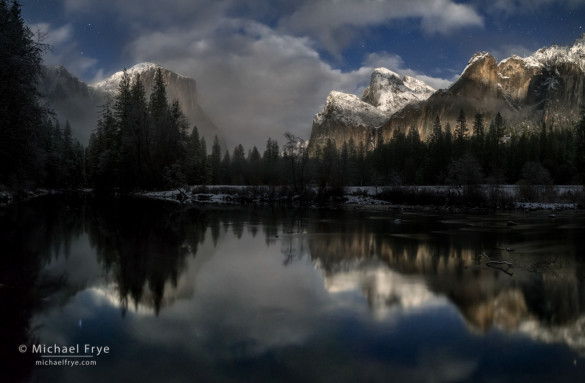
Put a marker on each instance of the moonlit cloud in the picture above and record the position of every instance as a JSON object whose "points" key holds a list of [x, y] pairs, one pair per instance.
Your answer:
{"points": [[254, 82], [331, 21], [525, 6], [63, 49]]}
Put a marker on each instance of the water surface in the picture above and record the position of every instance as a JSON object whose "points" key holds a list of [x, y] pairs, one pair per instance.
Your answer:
{"points": [[268, 294]]}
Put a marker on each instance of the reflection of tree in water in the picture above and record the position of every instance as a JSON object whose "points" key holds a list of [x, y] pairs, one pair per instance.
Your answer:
{"points": [[31, 234], [143, 244]]}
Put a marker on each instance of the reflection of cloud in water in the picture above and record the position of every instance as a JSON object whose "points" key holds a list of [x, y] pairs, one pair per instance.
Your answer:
{"points": [[572, 334], [385, 290]]}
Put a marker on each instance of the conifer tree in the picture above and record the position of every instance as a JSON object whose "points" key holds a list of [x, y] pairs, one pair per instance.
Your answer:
{"points": [[460, 134], [478, 135], [238, 165], [254, 167], [271, 160], [205, 165], [215, 162], [579, 146], [25, 124]]}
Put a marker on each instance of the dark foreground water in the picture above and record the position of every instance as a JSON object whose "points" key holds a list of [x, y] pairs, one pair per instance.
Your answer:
{"points": [[167, 293]]}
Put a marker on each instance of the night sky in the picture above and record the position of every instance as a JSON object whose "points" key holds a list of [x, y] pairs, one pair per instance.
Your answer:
{"points": [[264, 67]]}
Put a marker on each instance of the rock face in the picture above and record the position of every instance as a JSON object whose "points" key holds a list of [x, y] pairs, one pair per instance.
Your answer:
{"points": [[544, 88], [547, 87], [80, 103], [72, 100], [178, 87], [346, 116], [476, 89]]}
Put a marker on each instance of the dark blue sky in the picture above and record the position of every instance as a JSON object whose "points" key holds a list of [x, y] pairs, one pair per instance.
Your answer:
{"points": [[274, 62]]}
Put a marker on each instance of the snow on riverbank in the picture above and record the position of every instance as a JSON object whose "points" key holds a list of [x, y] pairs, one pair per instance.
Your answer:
{"points": [[517, 197]]}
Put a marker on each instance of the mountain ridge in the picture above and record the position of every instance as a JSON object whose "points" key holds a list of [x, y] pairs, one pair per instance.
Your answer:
{"points": [[347, 116], [546, 87]]}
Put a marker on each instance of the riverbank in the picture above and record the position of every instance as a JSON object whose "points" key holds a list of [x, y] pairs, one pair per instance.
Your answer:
{"points": [[7, 198], [481, 198]]}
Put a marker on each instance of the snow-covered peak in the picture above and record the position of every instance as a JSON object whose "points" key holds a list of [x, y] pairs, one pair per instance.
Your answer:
{"points": [[479, 56], [390, 92], [143, 67], [417, 85], [349, 110], [555, 54], [111, 83], [385, 72]]}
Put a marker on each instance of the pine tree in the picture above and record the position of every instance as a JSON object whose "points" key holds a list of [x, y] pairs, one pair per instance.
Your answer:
{"points": [[436, 147], [225, 170], [25, 124], [478, 136], [205, 177], [193, 162], [215, 162], [579, 146], [254, 167], [295, 153], [105, 157], [238, 165], [160, 129], [460, 134], [138, 137], [271, 160]]}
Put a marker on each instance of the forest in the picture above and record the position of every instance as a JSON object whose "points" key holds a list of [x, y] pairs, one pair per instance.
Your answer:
{"points": [[146, 143]]}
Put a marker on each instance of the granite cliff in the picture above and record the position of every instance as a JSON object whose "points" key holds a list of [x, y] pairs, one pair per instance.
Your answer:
{"points": [[80, 103], [546, 87]]}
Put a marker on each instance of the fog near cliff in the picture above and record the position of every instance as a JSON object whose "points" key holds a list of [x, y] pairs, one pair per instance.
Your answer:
{"points": [[267, 85]]}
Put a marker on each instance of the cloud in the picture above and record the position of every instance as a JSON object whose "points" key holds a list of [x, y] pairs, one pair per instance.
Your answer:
{"points": [[333, 22], [63, 50], [253, 81], [511, 7]]}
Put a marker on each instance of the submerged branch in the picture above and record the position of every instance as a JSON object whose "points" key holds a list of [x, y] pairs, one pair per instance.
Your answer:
{"points": [[501, 265]]}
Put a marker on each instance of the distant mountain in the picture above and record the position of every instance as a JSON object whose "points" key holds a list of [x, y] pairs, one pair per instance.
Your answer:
{"points": [[81, 103], [72, 100], [346, 116], [547, 87]]}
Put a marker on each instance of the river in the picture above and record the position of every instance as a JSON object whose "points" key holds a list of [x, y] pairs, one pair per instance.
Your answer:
{"points": [[142, 290]]}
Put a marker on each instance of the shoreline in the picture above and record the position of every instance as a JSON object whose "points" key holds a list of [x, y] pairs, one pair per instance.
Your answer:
{"points": [[483, 199], [507, 198]]}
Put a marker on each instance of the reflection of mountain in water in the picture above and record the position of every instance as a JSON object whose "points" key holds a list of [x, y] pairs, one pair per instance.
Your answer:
{"points": [[400, 271]]}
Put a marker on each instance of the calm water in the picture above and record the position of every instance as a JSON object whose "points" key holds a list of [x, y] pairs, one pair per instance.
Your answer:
{"points": [[183, 294]]}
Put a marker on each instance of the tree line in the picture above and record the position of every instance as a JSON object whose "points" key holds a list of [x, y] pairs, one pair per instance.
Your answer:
{"points": [[478, 153], [34, 150]]}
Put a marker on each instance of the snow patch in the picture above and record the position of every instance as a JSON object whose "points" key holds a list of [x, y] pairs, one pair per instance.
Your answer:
{"points": [[548, 57], [387, 93], [111, 84], [479, 56]]}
